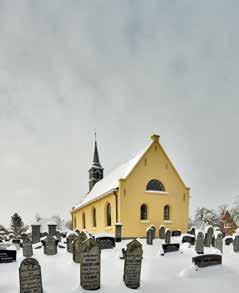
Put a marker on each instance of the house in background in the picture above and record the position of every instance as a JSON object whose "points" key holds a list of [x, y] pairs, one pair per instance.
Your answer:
{"points": [[227, 225], [147, 190]]}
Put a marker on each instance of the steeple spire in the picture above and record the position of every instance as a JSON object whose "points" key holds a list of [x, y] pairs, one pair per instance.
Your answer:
{"points": [[96, 172]]}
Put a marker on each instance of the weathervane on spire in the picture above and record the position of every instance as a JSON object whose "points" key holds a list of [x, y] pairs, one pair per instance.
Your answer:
{"points": [[95, 134]]}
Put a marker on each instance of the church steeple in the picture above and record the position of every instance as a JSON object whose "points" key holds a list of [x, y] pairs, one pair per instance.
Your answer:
{"points": [[96, 172]]}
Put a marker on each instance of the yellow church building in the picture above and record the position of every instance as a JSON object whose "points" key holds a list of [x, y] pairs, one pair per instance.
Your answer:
{"points": [[145, 191]]}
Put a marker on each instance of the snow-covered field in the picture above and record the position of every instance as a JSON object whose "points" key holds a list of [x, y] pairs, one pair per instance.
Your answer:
{"points": [[172, 272]]}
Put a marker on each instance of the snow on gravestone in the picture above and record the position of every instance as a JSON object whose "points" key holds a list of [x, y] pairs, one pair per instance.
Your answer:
{"points": [[132, 264], [150, 236], [30, 276], [50, 245], [168, 236], [199, 247], [154, 230], [27, 247], [236, 244], [70, 240], [162, 232], [219, 242], [90, 265], [208, 237], [77, 247]]}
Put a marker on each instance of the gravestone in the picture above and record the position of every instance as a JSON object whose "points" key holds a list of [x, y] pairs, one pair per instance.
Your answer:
{"points": [[52, 229], [154, 230], [118, 232], [208, 237], [58, 235], [219, 242], [36, 233], [207, 260], [162, 232], [176, 233], [189, 239], [192, 231], [132, 264], [77, 247], [90, 265], [7, 256], [228, 240], [27, 247], [69, 242], [50, 245], [105, 242], [171, 247], [236, 244], [200, 243], [150, 236], [30, 276], [168, 236]]}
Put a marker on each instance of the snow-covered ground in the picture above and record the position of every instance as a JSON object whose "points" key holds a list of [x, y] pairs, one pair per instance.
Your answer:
{"points": [[172, 272]]}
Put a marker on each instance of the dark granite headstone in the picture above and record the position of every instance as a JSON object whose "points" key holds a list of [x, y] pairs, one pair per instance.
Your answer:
{"points": [[236, 244], [106, 242], [189, 239], [77, 247], [176, 233], [207, 260], [200, 243], [52, 229], [171, 247], [208, 237], [69, 242], [7, 256], [50, 245], [150, 236], [90, 265], [228, 240], [219, 242], [132, 264], [162, 232], [36, 233], [168, 236], [118, 232], [154, 230], [27, 247], [30, 276]]}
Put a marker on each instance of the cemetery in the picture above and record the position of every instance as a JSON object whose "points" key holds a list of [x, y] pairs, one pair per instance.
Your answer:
{"points": [[76, 261]]}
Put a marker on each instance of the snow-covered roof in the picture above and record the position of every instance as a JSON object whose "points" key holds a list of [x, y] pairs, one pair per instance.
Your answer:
{"points": [[110, 182]]}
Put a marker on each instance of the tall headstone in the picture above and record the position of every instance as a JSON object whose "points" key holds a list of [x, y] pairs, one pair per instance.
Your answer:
{"points": [[168, 236], [30, 276], [236, 244], [154, 230], [90, 265], [209, 236], [50, 245], [36, 235], [219, 242], [162, 232], [118, 232], [27, 247], [199, 247], [70, 240], [77, 247], [150, 236], [132, 264], [52, 229]]}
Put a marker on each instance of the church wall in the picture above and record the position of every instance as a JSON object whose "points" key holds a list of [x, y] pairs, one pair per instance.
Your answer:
{"points": [[153, 165]]}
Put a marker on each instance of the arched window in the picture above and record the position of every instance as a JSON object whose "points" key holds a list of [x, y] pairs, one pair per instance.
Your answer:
{"points": [[166, 213], [108, 215], [155, 185], [94, 217], [143, 212], [83, 221]]}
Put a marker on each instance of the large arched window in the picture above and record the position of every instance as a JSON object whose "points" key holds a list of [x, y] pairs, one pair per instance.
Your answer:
{"points": [[166, 213], [143, 212], [155, 185], [108, 215], [94, 217], [83, 221]]}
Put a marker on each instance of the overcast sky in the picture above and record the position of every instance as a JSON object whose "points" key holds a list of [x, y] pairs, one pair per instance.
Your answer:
{"points": [[129, 69]]}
